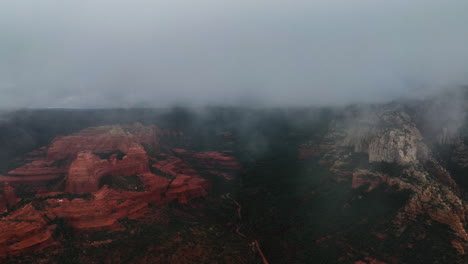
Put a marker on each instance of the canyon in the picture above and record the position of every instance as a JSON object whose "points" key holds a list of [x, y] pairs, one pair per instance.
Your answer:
{"points": [[360, 184]]}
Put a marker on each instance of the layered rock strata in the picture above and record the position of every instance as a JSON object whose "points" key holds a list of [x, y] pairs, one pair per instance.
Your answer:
{"points": [[80, 162]]}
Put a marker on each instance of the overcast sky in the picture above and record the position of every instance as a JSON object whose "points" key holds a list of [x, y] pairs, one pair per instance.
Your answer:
{"points": [[115, 53]]}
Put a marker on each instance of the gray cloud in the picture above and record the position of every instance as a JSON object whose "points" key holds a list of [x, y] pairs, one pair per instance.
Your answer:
{"points": [[117, 53]]}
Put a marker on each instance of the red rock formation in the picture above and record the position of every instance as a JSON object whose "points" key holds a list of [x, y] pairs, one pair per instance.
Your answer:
{"points": [[24, 230], [85, 172], [37, 167], [31, 179], [9, 195], [87, 169], [214, 159], [82, 176], [184, 188], [215, 163], [363, 177], [27, 228], [174, 166], [103, 139], [32, 231]]}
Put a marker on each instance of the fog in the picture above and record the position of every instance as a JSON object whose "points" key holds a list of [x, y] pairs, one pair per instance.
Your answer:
{"points": [[115, 53]]}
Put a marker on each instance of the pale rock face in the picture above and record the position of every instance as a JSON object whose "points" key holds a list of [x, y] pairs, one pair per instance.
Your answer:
{"points": [[460, 155], [394, 146], [389, 136]]}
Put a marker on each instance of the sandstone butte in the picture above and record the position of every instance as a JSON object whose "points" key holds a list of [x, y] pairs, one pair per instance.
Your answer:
{"points": [[80, 161]]}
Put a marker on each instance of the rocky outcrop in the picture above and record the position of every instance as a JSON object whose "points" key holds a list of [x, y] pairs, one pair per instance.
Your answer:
{"points": [[390, 136], [81, 161], [101, 211], [8, 197], [103, 139], [214, 159], [185, 188], [435, 169], [97, 140], [365, 177], [24, 230], [428, 198], [87, 169], [220, 164], [82, 176], [40, 167], [172, 166]]}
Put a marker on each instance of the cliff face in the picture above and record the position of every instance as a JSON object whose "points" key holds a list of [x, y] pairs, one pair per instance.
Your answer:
{"points": [[83, 173], [81, 162], [8, 198], [396, 155], [386, 136]]}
